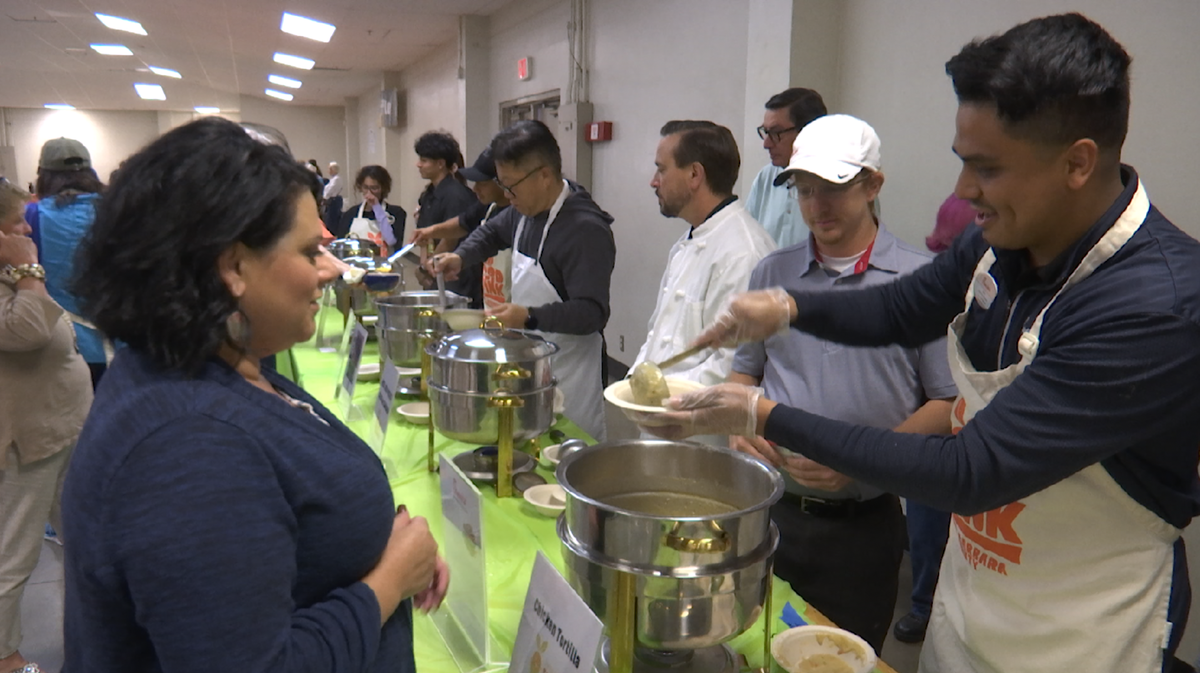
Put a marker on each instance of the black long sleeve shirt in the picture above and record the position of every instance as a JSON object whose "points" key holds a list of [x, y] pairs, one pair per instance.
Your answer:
{"points": [[578, 259], [1116, 379]]}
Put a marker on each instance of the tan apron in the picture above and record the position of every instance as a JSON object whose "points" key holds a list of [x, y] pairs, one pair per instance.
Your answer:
{"points": [[1076, 577]]}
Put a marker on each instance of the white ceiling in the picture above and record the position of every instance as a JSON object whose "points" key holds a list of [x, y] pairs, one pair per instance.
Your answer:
{"points": [[222, 48]]}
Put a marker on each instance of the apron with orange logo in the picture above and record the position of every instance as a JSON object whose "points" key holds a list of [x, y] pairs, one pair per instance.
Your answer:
{"points": [[1076, 577]]}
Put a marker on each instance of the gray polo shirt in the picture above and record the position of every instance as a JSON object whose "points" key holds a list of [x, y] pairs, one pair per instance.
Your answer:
{"points": [[879, 387]]}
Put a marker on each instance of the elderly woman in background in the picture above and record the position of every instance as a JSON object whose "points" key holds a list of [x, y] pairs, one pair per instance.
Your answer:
{"points": [[69, 189], [44, 397], [205, 257]]}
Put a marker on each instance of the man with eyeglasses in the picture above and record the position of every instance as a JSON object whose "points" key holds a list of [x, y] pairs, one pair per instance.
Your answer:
{"points": [[562, 262], [772, 206], [841, 541]]}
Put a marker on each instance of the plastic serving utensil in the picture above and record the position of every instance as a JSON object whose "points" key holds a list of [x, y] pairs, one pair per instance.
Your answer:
{"points": [[647, 383]]}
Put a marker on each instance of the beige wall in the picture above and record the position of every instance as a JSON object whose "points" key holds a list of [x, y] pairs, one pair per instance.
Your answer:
{"points": [[313, 132], [109, 135]]}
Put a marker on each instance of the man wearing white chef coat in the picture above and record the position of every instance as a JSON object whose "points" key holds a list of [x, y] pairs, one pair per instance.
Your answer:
{"points": [[696, 166], [562, 262], [1073, 316]]}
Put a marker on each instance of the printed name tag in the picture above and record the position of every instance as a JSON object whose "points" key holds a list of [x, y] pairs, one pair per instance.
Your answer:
{"points": [[985, 290]]}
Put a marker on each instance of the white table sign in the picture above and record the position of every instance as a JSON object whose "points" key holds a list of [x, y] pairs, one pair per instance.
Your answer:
{"points": [[463, 618], [354, 351], [558, 633], [388, 384]]}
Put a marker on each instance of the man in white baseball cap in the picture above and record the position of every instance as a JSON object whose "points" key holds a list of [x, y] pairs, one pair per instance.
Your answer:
{"points": [[841, 541]]}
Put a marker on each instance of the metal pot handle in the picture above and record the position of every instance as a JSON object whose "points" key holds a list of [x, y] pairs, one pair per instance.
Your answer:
{"points": [[509, 371], [718, 543], [493, 319]]}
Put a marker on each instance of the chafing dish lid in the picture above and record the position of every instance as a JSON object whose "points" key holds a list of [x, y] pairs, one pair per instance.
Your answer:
{"points": [[492, 345]]}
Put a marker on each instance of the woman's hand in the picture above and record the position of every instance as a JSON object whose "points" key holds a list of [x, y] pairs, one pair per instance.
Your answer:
{"points": [[750, 317], [725, 409], [17, 250], [409, 564], [431, 597]]}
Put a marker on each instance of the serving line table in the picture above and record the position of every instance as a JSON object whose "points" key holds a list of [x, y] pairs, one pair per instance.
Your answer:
{"points": [[513, 530]]}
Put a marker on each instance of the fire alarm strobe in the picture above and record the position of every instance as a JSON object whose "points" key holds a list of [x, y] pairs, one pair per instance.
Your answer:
{"points": [[599, 131]]}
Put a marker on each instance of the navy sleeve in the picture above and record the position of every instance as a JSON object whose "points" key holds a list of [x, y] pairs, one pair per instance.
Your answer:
{"points": [[1121, 384], [910, 312], [206, 543], [491, 237]]}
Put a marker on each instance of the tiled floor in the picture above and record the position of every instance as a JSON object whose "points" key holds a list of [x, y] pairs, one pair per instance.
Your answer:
{"points": [[42, 611]]}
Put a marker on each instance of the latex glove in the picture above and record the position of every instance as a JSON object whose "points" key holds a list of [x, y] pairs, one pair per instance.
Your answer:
{"points": [[725, 409], [757, 447], [749, 317], [808, 472]]}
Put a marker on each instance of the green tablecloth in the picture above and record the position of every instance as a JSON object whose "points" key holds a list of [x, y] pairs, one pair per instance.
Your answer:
{"points": [[514, 530]]}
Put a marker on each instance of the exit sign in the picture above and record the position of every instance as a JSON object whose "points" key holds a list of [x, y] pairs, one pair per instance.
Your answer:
{"points": [[524, 68]]}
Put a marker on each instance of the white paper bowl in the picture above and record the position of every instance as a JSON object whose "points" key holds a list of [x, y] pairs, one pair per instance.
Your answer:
{"points": [[549, 499], [415, 412], [550, 454], [460, 319], [369, 371], [799, 650], [621, 395]]}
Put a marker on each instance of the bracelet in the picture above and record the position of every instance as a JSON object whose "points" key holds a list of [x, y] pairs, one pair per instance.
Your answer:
{"points": [[28, 271]]}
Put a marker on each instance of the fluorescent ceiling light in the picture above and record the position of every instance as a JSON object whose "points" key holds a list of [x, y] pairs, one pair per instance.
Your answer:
{"points": [[117, 23], [150, 91], [279, 94], [165, 72], [306, 27], [112, 49], [206, 110], [59, 106], [295, 61], [284, 81]]}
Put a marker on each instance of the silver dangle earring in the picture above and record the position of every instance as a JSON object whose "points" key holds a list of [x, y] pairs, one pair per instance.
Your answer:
{"points": [[237, 328]]}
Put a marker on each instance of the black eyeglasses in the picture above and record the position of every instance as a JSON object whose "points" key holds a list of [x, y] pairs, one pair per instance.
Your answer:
{"points": [[508, 189], [776, 135]]}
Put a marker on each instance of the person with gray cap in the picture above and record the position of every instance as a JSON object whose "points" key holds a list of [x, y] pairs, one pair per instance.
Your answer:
{"points": [[841, 540], [68, 189]]}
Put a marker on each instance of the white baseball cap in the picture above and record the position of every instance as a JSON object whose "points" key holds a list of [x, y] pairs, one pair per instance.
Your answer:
{"points": [[833, 148]]}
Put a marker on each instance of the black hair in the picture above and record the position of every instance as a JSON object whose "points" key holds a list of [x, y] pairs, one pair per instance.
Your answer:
{"points": [[378, 174], [315, 168], [1053, 80], [803, 105], [527, 139], [147, 270], [65, 185], [710, 145], [439, 145]]}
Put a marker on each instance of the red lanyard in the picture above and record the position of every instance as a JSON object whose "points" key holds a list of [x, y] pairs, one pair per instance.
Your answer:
{"points": [[859, 267]]}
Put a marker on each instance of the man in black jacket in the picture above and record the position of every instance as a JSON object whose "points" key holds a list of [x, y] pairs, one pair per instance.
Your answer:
{"points": [[563, 257], [438, 157]]}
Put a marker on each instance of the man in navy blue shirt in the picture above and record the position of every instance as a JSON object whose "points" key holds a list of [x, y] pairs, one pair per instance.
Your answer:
{"points": [[1073, 311]]}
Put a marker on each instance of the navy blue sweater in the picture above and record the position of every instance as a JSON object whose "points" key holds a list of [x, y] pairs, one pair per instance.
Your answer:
{"points": [[215, 527], [1116, 380]]}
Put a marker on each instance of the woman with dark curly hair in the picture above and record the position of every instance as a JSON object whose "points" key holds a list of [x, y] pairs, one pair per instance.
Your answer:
{"points": [[374, 218], [205, 257]]}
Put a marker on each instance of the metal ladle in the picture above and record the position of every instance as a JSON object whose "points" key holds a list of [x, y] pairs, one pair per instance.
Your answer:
{"points": [[647, 383]]}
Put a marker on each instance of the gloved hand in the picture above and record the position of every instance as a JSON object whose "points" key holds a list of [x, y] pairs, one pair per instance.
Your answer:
{"points": [[725, 409], [749, 317]]}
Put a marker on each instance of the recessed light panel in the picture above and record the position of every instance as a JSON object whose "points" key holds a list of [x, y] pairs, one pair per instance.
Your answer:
{"points": [[295, 61], [278, 94], [150, 91], [284, 81], [302, 26], [117, 23], [112, 49], [59, 106], [165, 72], [206, 110]]}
